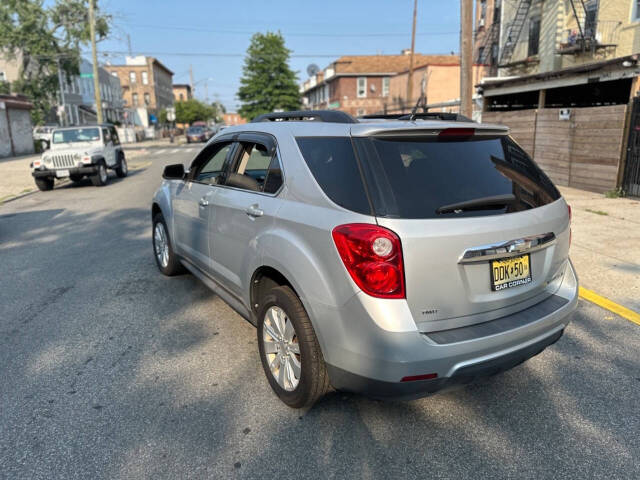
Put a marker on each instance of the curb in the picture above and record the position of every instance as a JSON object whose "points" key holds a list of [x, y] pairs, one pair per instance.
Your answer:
{"points": [[26, 194], [607, 304]]}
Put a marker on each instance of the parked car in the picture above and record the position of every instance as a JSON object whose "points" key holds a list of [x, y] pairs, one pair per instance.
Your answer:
{"points": [[198, 133], [387, 257], [42, 135], [77, 152]]}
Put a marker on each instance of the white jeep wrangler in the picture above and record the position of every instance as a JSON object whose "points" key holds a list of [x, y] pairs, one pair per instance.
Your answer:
{"points": [[77, 152]]}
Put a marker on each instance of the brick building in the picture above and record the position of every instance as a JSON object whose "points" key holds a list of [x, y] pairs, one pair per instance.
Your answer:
{"points": [[182, 92], [362, 84], [232, 118], [146, 83]]}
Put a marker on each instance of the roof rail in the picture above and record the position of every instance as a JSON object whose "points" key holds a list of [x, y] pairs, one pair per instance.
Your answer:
{"points": [[444, 116], [383, 116], [330, 116]]}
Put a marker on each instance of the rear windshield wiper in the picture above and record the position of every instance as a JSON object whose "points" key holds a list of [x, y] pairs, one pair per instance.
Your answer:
{"points": [[482, 203]]}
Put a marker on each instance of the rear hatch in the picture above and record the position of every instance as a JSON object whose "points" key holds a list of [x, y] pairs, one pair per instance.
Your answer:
{"points": [[484, 232]]}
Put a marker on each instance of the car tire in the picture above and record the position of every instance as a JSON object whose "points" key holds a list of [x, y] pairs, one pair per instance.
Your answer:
{"points": [[166, 259], [44, 184], [101, 177], [281, 358], [76, 178], [122, 170]]}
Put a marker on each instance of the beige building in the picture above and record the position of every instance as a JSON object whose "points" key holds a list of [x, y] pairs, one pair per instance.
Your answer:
{"points": [[145, 82], [182, 92]]}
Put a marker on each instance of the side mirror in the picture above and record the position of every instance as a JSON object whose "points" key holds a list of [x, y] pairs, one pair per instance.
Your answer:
{"points": [[173, 172]]}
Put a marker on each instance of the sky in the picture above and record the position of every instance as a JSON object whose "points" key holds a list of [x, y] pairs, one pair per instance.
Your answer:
{"points": [[212, 36]]}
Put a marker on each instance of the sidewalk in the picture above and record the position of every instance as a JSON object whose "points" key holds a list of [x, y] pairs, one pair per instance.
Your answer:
{"points": [[606, 245], [15, 176]]}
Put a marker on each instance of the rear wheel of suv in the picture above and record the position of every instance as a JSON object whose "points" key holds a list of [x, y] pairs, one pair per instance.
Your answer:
{"points": [[44, 184], [122, 169], [101, 176], [289, 350], [166, 259]]}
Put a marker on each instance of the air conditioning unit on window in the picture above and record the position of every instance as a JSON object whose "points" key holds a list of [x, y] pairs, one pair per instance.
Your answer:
{"points": [[481, 22]]}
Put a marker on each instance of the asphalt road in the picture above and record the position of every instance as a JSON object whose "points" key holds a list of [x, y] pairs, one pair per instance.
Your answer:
{"points": [[110, 370]]}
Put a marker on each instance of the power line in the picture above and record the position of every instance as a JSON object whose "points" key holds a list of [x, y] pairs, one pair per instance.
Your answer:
{"points": [[224, 55], [291, 34]]}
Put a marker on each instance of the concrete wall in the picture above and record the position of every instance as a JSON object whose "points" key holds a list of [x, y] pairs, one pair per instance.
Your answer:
{"points": [[582, 152], [21, 132]]}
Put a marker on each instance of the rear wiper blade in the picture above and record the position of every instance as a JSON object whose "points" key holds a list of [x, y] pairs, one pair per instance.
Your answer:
{"points": [[482, 203]]}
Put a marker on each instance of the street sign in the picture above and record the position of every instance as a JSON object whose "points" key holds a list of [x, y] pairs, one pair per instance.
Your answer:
{"points": [[171, 114], [86, 75]]}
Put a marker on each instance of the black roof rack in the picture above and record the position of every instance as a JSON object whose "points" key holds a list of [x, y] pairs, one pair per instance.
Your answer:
{"points": [[383, 116], [444, 116], [330, 116]]}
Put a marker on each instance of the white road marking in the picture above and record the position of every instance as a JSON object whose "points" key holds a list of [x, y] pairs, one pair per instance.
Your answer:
{"points": [[162, 150], [175, 150], [189, 150]]}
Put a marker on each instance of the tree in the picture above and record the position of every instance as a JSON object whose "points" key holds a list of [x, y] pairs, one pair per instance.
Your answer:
{"points": [[192, 110], [267, 82], [37, 37]]}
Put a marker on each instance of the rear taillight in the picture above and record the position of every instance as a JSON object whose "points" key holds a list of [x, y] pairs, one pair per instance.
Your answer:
{"points": [[456, 133], [373, 258]]}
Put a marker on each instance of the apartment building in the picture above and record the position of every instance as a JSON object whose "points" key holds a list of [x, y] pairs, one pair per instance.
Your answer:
{"points": [[146, 84], [568, 86], [363, 84]]}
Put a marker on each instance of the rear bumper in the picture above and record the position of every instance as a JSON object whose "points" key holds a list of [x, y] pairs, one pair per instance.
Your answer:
{"points": [[364, 358], [86, 170], [343, 380]]}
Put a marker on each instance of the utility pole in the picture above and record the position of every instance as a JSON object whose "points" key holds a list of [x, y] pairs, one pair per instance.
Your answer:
{"points": [[191, 79], [64, 112], [206, 92], [129, 45], [94, 53], [413, 47], [466, 58]]}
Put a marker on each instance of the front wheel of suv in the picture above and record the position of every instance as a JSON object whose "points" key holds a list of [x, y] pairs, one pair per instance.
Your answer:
{"points": [[166, 259], [44, 184], [101, 176], [289, 350]]}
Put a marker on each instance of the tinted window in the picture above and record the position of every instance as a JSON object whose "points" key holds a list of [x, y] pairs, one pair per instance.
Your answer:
{"points": [[194, 130], [213, 166], [333, 163], [413, 178]]}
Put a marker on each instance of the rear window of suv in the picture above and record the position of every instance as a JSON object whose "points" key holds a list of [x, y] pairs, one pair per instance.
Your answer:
{"points": [[416, 177]]}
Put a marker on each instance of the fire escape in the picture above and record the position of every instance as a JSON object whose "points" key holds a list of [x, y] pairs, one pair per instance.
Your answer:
{"points": [[588, 34], [514, 30]]}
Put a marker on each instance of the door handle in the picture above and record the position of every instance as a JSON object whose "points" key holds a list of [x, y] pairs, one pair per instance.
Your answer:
{"points": [[203, 202], [254, 211]]}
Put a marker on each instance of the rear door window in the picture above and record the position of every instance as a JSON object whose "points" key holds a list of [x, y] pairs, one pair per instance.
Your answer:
{"points": [[259, 163], [414, 178], [333, 164]]}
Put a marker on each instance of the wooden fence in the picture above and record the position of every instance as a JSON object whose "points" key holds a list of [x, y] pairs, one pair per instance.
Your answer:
{"points": [[583, 152]]}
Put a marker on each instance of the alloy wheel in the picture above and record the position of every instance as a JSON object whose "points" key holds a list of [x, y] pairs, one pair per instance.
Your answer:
{"points": [[161, 245], [281, 348]]}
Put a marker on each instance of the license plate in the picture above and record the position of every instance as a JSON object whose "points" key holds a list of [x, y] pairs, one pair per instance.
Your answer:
{"points": [[510, 272], [62, 173]]}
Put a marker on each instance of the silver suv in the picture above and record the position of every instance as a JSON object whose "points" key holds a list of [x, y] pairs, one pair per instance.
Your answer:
{"points": [[391, 257], [77, 152]]}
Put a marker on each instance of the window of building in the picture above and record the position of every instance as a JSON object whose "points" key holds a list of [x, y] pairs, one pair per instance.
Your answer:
{"points": [[147, 99], [635, 13], [134, 99], [480, 58], [362, 87], [483, 9], [362, 111], [591, 16], [145, 78], [534, 36], [3, 77], [181, 97], [132, 77], [385, 86]]}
